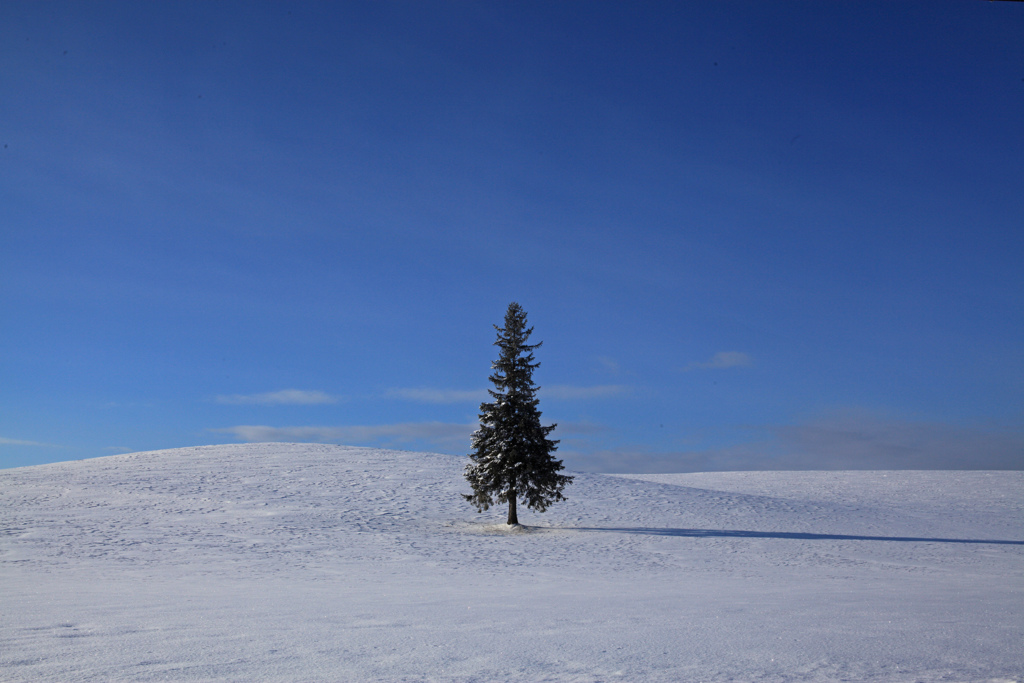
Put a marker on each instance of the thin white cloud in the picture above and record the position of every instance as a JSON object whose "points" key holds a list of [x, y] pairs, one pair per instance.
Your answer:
{"points": [[444, 435], [285, 397], [21, 442], [722, 360], [609, 364], [440, 395], [568, 392]]}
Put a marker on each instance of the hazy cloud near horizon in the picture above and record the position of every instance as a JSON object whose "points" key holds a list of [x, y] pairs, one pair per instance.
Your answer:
{"points": [[846, 441], [444, 435], [21, 442]]}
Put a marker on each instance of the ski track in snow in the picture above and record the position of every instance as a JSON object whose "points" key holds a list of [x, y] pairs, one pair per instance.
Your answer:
{"points": [[302, 562]]}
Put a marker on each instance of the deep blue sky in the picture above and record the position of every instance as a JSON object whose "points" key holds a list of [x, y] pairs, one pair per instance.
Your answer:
{"points": [[749, 234]]}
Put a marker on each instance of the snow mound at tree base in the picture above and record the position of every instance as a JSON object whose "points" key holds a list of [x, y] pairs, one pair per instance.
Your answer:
{"points": [[300, 562]]}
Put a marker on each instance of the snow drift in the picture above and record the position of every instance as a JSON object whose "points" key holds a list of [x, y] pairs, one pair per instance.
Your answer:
{"points": [[298, 562]]}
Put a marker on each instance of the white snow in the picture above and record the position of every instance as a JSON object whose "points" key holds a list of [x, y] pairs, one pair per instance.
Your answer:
{"points": [[298, 562]]}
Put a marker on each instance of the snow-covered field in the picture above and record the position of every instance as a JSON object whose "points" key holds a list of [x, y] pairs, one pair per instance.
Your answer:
{"points": [[298, 562]]}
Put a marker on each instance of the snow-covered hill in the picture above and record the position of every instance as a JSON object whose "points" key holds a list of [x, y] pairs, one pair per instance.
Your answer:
{"points": [[298, 562]]}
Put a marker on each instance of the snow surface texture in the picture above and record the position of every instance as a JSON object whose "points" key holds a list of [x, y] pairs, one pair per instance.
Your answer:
{"points": [[298, 562]]}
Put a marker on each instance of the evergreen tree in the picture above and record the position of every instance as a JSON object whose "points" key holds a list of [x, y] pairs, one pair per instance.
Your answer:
{"points": [[512, 454]]}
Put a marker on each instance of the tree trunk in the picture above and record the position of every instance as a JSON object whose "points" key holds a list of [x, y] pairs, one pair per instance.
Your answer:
{"points": [[512, 517]]}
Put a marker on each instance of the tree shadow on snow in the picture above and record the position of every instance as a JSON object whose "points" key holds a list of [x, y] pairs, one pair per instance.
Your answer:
{"points": [[729, 533]]}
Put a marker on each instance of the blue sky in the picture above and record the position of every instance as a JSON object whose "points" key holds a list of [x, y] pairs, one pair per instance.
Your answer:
{"points": [[750, 235]]}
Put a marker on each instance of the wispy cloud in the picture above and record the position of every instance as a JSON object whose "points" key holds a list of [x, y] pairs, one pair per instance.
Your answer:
{"points": [[443, 435], [722, 360], [609, 364], [20, 442], [285, 397], [568, 392], [440, 395]]}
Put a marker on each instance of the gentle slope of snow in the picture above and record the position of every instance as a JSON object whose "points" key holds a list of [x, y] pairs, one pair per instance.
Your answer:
{"points": [[296, 562]]}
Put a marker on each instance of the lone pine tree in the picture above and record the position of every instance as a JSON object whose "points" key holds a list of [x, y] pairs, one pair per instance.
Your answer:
{"points": [[512, 454]]}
